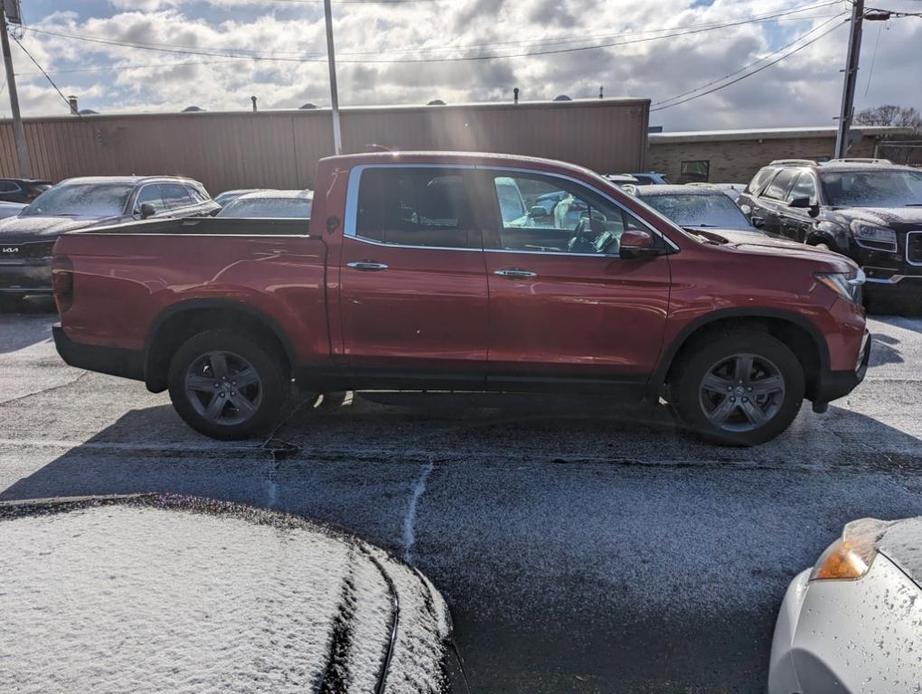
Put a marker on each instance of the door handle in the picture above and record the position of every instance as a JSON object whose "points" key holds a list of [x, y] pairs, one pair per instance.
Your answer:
{"points": [[367, 266], [515, 273]]}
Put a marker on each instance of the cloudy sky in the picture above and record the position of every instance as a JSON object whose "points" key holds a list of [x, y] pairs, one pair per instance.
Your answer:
{"points": [[163, 55]]}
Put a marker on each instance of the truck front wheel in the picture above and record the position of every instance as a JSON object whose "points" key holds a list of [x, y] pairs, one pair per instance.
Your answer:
{"points": [[740, 388], [227, 386]]}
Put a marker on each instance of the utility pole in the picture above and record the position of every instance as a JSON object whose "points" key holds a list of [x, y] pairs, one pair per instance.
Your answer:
{"points": [[19, 133], [334, 91], [851, 77]]}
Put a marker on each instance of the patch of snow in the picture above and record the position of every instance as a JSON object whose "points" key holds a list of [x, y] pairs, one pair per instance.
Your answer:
{"points": [[132, 597]]}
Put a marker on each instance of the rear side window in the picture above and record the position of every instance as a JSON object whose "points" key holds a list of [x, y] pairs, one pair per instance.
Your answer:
{"points": [[781, 184], [417, 207], [8, 187]]}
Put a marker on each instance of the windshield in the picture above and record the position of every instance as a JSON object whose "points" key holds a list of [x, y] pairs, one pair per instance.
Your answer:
{"points": [[278, 208], [872, 188], [80, 200], [716, 210]]}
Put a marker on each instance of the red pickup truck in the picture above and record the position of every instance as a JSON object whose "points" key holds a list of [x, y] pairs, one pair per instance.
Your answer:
{"points": [[469, 272]]}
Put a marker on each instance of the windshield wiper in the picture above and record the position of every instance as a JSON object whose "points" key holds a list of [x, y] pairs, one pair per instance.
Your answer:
{"points": [[913, 204]]}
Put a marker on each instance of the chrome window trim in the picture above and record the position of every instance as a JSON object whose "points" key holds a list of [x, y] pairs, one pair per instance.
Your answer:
{"points": [[906, 249], [352, 200]]}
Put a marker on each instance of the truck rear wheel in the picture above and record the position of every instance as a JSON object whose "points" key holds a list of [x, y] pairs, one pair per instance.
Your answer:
{"points": [[740, 388], [227, 386]]}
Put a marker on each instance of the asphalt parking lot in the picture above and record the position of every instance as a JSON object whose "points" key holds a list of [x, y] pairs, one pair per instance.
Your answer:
{"points": [[580, 548]]}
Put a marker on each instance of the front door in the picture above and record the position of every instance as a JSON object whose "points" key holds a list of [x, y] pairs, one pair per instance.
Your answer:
{"points": [[563, 303], [413, 288]]}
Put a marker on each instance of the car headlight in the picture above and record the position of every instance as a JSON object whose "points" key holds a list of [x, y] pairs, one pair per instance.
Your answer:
{"points": [[846, 285], [851, 555], [874, 237]]}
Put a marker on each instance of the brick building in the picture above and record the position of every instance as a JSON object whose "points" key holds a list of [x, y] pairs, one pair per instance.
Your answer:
{"points": [[734, 156]]}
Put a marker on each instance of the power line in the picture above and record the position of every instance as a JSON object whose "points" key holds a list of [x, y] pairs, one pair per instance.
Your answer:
{"points": [[183, 50], [47, 76], [783, 48], [750, 74]]}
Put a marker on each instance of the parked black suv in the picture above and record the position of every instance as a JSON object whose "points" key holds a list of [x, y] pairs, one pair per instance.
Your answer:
{"points": [[867, 209], [22, 189]]}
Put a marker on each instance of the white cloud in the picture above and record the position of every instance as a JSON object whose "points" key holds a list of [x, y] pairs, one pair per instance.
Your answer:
{"points": [[802, 89]]}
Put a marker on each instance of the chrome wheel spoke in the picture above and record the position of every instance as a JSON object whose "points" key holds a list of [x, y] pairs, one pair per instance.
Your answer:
{"points": [[218, 364], [768, 386], [743, 367], [201, 384], [753, 413], [716, 383], [215, 406], [244, 406], [245, 378], [722, 412]]}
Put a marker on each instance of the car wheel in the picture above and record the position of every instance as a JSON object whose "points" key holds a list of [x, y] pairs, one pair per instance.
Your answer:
{"points": [[738, 388], [227, 386]]}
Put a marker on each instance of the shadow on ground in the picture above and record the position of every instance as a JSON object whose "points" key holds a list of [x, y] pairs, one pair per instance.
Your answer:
{"points": [[579, 551]]}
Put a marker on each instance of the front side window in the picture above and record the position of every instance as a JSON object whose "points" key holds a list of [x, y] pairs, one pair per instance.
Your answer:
{"points": [[94, 200], [781, 184], [804, 187], [175, 195], [694, 171], [553, 215], [417, 207], [894, 188], [150, 195]]}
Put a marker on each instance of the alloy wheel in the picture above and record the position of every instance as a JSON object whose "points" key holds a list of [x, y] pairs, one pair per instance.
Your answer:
{"points": [[223, 387], [741, 393]]}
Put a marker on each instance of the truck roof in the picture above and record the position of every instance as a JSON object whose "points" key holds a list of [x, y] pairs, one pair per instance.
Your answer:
{"points": [[462, 159]]}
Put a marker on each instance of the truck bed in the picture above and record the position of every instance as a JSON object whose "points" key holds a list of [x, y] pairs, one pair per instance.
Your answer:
{"points": [[128, 277]]}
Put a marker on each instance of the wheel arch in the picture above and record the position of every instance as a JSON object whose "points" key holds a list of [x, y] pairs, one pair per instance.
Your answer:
{"points": [[179, 322], [795, 331]]}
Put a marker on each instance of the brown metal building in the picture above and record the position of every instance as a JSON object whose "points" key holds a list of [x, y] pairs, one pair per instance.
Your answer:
{"points": [[280, 149]]}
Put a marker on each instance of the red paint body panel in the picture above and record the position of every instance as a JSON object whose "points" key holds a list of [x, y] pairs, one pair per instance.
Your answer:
{"points": [[445, 310]]}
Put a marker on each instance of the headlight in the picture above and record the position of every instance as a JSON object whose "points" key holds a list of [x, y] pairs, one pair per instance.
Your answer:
{"points": [[874, 237], [851, 555], [846, 285]]}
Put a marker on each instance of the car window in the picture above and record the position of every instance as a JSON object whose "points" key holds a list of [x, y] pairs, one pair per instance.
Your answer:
{"points": [[696, 210], [197, 196], [759, 180], [778, 188], [278, 208], [804, 187], [95, 200], [886, 188], [150, 195], [557, 216], [417, 207], [8, 187], [175, 195]]}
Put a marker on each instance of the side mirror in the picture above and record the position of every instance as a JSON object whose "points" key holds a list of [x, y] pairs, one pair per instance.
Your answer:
{"points": [[147, 210], [635, 243], [800, 203], [538, 211]]}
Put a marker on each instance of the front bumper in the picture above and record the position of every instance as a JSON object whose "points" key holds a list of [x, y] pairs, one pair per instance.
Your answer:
{"points": [[848, 636], [108, 360], [26, 277], [831, 385]]}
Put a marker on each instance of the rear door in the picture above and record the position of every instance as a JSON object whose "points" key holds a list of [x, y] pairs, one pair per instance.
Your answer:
{"points": [[413, 288], [796, 222], [563, 303], [771, 205]]}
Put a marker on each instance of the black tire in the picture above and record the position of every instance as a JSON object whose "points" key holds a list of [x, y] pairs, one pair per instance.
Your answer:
{"points": [[246, 410], [719, 358]]}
